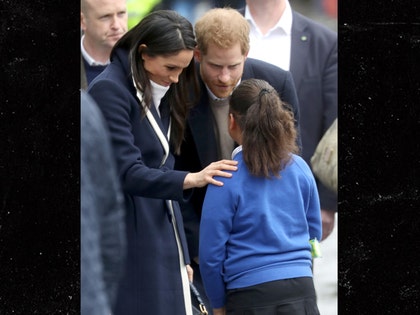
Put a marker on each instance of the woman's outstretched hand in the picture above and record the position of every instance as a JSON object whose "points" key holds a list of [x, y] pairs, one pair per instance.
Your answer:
{"points": [[206, 175]]}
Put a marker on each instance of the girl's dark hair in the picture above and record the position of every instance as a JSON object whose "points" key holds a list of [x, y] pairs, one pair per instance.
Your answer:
{"points": [[165, 33], [267, 125]]}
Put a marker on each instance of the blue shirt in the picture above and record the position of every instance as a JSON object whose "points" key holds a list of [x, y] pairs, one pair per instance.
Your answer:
{"points": [[254, 230]]}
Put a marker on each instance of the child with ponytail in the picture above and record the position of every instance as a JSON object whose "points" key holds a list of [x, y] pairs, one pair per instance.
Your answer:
{"points": [[255, 253]]}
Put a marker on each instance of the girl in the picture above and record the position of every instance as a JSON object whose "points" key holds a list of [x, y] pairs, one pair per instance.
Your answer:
{"points": [[255, 254]]}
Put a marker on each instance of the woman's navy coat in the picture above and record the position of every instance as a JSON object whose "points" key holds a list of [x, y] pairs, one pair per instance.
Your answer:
{"points": [[151, 283]]}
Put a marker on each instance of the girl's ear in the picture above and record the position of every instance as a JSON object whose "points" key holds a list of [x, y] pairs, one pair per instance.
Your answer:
{"points": [[232, 122], [233, 129]]}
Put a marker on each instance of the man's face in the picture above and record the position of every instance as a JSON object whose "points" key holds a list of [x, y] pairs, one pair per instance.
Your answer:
{"points": [[221, 69], [105, 22]]}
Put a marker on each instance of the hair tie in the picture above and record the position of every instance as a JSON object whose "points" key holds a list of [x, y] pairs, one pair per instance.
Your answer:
{"points": [[263, 91]]}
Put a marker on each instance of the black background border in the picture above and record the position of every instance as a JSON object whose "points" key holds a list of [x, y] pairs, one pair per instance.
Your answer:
{"points": [[379, 93]]}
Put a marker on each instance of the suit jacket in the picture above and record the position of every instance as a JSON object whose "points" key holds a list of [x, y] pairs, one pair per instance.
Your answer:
{"points": [[83, 78], [102, 228], [313, 64], [151, 283], [199, 148]]}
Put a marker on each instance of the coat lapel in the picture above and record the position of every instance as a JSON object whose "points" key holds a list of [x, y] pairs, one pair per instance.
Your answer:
{"points": [[156, 123], [203, 130]]}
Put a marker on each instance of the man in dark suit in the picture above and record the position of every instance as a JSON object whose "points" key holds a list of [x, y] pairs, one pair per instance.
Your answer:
{"points": [[103, 243], [103, 23], [308, 50], [222, 47]]}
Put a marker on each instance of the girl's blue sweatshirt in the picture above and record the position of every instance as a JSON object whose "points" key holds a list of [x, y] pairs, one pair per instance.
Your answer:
{"points": [[255, 230]]}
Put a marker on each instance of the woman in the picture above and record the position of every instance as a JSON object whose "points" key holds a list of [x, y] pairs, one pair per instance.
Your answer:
{"points": [[255, 232], [143, 95]]}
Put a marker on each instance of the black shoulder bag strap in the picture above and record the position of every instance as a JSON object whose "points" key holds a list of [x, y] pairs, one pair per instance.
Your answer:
{"points": [[203, 310]]}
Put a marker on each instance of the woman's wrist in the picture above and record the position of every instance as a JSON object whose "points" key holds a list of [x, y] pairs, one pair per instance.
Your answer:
{"points": [[189, 181]]}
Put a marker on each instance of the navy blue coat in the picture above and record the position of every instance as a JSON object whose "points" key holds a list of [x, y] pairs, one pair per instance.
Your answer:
{"points": [[313, 64], [151, 283], [200, 146]]}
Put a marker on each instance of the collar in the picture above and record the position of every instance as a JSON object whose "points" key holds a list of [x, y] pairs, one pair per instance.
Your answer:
{"points": [[158, 92], [214, 97], [88, 58], [284, 23], [164, 140], [236, 151]]}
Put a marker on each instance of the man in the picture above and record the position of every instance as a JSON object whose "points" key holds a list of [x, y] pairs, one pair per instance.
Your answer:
{"points": [[308, 50], [103, 23], [222, 36], [102, 214]]}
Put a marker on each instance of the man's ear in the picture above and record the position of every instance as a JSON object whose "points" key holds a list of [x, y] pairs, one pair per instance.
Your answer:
{"points": [[246, 55], [197, 54], [82, 21]]}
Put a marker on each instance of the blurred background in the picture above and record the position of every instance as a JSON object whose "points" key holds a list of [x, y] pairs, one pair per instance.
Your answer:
{"points": [[323, 11]]}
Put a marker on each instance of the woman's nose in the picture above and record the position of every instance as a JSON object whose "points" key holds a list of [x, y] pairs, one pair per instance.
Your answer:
{"points": [[174, 78]]}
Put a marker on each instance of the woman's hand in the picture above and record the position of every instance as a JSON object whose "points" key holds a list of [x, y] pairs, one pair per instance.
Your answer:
{"points": [[205, 176], [219, 311], [190, 273]]}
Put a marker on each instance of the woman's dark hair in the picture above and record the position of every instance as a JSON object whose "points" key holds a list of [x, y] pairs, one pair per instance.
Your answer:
{"points": [[267, 125], [165, 33]]}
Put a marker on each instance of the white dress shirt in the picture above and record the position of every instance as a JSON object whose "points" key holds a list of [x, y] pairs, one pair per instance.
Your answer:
{"points": [[273, 47], [88, 58]]}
